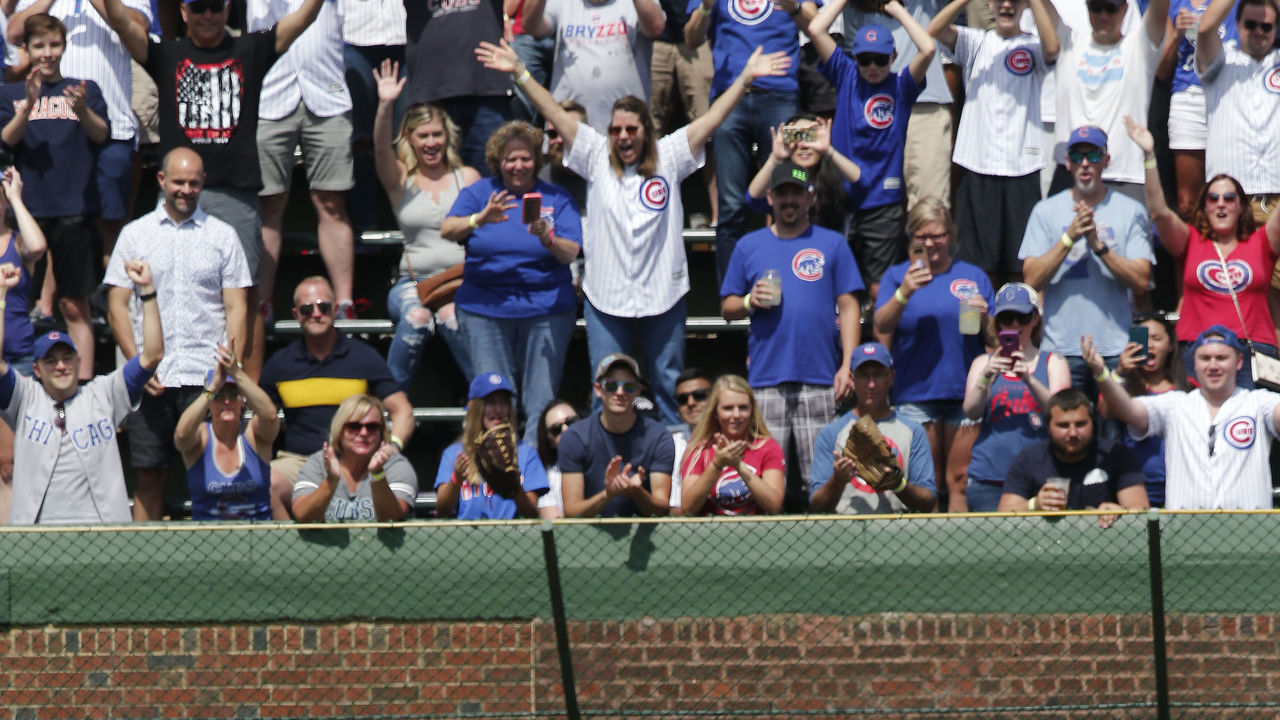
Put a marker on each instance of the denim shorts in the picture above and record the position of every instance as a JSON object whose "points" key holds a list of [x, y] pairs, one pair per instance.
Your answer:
{"points": [[947, 412]]}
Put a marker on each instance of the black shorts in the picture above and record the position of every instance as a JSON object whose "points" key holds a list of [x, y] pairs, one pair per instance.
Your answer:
{"points": [[877, 240], [75, 253], [991, 218], [151, 426]]}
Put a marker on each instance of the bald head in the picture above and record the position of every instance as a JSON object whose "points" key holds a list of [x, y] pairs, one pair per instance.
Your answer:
{"points": [[181, 178], [183, 157]]}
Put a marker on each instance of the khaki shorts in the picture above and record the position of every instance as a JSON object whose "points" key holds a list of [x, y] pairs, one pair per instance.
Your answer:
{"points": [[288, 464], [326, 151], [681, 80], [146, 105], [926, 162]]}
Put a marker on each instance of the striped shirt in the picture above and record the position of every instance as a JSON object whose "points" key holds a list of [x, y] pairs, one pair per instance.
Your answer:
{"points": [[372, 22], [1000, 131], [94, 52], [1218, 462], [311, 71], [633, 241], [191, 263], [1242, 102]]}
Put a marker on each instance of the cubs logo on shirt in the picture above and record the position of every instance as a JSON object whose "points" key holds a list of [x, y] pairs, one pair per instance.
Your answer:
{"points": [[878, 111], [1212, 277], [807, 264], [654, 193], [1272, 80], [750, 12], [1239, 432], [1019, 62], [964, 289]]}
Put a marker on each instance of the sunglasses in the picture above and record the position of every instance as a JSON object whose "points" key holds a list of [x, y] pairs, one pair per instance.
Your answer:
{"points": [[60, 421], [617, 130], [555, 430], [373, 428], [613, 386], [1102, 7], [1226, 197], [1093, 156], [698, 395], [1014, 318], [1252, 25], [306, 309], [552, 134], [199, 7], [873, 59]]}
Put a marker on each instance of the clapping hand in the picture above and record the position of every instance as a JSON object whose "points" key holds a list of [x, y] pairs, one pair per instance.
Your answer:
{"points": [[380, 457], [75, 93], [618, 479], [728, 452]]}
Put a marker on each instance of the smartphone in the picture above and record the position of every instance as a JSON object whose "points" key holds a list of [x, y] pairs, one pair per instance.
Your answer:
{"points": [[916, 253], [1140, 334], [792, 135], [1009, 343], [532, 209]]}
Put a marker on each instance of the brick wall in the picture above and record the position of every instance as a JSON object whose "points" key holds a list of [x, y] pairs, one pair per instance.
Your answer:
{"points": [[766, 664]]}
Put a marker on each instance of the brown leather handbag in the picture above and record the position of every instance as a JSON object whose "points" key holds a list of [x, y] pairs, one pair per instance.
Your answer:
{"points": [[438, 290]]}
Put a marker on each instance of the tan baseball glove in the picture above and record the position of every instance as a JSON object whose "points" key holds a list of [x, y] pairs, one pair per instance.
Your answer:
{"points": [[496, 460], [869, 451]]}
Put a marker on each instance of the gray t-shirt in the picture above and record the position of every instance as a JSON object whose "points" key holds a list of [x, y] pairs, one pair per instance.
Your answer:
{"points": [[600, 55], [420, 216], [348, 506], [68, 500]]}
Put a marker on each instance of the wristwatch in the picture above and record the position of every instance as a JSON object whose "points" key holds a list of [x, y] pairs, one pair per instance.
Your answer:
{"points": [[1105, 249]]}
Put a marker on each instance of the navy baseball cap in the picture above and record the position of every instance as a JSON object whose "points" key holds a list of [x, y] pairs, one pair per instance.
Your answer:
{"points": [[789, 172], [873, 39], [1016, 297], [1209, 336], [45, 343], [485, 385], [871, 352], [1087, 135]]}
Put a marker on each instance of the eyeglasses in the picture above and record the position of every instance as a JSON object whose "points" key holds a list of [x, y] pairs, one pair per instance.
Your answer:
{"points": [[613, 386], [373, 428], [1014, 318], [555, 430], [929, 239], [1252, 25], [552, 134], [1226, 197], [1078, 156], [1103, 7], [200, 7], [617, 130], [698, 395], [306, 309], [60, 421], [873, 59]]}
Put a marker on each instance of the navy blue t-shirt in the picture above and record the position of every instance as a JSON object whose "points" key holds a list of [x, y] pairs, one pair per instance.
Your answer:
{"points": [[587, 448], [1108, 468], [54, 156]]}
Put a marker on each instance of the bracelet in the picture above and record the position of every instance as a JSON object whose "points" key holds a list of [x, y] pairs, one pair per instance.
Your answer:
{"points": [[746, 300], [2, 305], [897, 295], [471, 223], [380, 476], [148, 296], [984, 380], [1031, 504], [704, 9], [522, 77], [1115, 375], [395, 440], [902, 486], [1149, 163], [1066, 240], [208, 394], [1105, 375]]}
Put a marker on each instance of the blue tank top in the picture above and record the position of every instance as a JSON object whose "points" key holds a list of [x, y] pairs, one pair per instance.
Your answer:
{"points": [[19, 335], [246, 495], [1012, 423], [1184, 73]]}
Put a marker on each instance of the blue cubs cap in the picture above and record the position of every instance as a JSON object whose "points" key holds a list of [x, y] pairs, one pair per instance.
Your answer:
{"points": [[1016, 297], [873, 39], [1216, 335], [1087, 135], [45, 343], [485, 385], [871, 352]]}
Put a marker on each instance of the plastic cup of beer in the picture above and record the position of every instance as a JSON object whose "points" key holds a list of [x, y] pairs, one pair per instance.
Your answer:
{"points": [[970, 318], [774, 278]]}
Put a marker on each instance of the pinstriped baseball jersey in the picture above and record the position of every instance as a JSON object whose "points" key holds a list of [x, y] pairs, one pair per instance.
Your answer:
{"points": [[1242, 101], [311, 70], [372, 22]]}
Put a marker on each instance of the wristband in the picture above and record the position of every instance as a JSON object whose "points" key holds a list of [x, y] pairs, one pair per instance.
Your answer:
{"points": [[747, 300], [897, 295], [471, 223], [2, 305], [523, 76], [704, 9], [380, 476], [208, 394], [1115, 375], [984, 380], [902, 486], [1031, 504], [1104, 375], [1149, 163], [148, 296], [1066, 240], [395, 440]]}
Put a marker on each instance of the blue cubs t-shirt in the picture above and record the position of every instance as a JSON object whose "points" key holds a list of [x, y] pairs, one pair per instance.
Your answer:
{"points": [[870, 128], [797, 341], [1184, 73], [930, 357], [480, 502], [737, 28], [508, 273]]}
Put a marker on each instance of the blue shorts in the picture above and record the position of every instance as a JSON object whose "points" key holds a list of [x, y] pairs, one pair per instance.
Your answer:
{"points": [[947, 412], [114, 176]]}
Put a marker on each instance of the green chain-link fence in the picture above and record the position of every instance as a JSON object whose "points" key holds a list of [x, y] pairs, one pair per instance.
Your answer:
{"points": [[911, 617]]}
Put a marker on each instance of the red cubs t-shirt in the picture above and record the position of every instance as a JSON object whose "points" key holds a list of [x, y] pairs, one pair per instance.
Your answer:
{"points": [[1206, 287], [730, 495]]}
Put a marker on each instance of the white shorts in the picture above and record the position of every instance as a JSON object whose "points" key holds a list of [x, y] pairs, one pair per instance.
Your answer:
{"points": [[1187, 127]]}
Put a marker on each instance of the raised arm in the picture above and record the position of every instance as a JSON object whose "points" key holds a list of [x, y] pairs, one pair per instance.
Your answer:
{"points": [[13, 32], [760, 64], [923, 40], [391, 172], [295, 23], [10, 276], [942, 27], [33, 243], [1123, 407], [652, 19], [695, 29], [132, 36], [1155, 19], [236, 302], [401, 412], [152, 332], [503, 59], [1208, 44], [1273, 228], [1171, 229], [1047, 26], [265, 424], [534, 21], [820, 26]]}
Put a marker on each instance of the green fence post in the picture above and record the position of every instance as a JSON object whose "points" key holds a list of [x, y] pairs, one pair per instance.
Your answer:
{"points": [[557, 615], [1157, 615]]}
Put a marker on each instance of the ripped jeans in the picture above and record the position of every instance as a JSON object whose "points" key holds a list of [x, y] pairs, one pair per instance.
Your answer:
{"points": [[415, 325]]}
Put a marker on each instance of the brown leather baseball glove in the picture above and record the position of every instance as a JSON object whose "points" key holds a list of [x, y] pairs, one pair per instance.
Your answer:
{"points": [[868, 449], [496, 460]]}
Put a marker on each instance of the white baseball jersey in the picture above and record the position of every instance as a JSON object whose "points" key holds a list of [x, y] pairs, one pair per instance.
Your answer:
{"points": [[1242, 102], [999, 131], [311, 71], [92, 417], [634, 241], [373, 22], [1218, 463], [94, 53]]}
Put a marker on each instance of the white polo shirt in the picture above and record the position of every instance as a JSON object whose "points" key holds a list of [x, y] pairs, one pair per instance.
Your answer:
{"points": [[1242, 102], [634, 238], [311, 71]]}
